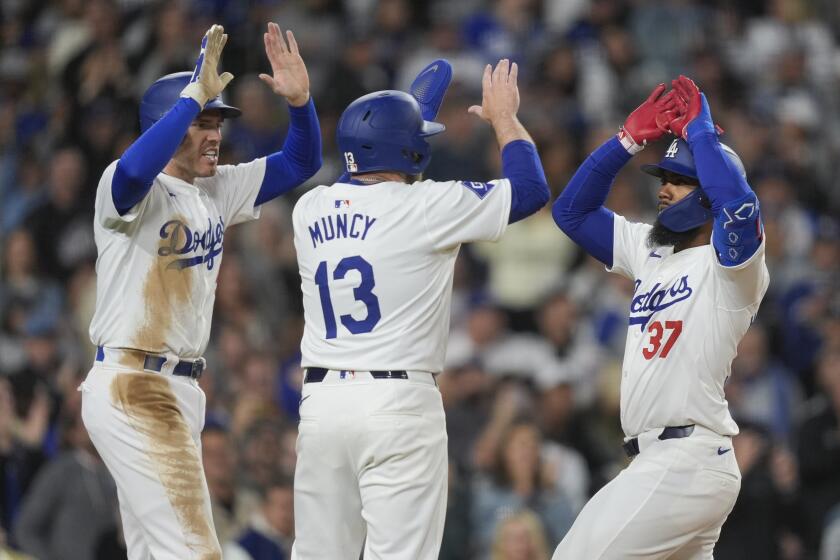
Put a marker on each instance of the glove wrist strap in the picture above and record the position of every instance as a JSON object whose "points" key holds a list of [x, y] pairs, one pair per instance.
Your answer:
{"points": [[196, 92], [627, 141]]}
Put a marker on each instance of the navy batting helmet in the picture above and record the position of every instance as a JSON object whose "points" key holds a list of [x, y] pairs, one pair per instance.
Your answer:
{"points": [[695, 209], [385, 131], [165, 92]]}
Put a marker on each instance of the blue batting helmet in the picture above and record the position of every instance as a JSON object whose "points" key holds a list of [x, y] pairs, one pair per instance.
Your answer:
{"points": [[165, 92], [385, 131], [695, 209]]}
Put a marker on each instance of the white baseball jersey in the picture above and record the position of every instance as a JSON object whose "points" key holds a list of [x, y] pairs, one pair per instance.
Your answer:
{"points": [[158, 263], [376, 265], [687, 316]]}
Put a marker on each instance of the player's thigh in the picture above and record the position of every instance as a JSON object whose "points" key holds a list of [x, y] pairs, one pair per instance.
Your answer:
{"points": [[702, 545], [653, 509], [148, 447], [328, 519], [404, 486]]}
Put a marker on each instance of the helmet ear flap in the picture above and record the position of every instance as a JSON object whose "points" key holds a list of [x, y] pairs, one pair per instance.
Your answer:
{"points": [[692, 211], [703, 199]]}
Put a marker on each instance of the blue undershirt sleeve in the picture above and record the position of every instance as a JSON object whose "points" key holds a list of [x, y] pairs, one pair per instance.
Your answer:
{"points": [[736, 232], [300, 157], [721, 180], [579, 210], [529, 189], [149, 154]]}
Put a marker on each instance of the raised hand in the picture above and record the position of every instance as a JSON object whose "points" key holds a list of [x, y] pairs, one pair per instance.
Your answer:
{"points": [[690, 105], [206, 83], [649, 121], [290, 79], [499, 93]]}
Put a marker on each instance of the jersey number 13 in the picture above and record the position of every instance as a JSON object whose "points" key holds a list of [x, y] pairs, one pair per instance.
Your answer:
{"points": [[363, 292]]}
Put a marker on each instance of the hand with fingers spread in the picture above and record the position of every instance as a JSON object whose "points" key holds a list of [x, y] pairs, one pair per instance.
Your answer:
{"points": [[206, 83], [499, 92], [290, 79], [500, 102], [649, 121]]}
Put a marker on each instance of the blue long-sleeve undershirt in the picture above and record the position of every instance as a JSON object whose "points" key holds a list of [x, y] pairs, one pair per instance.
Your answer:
{"points": [[579, 210], [529, 188], [736, 232], [300, 157], [149, 154], [722, 181]]}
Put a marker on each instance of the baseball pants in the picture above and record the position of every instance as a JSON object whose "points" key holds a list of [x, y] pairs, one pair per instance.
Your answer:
{"points": [[371, 468], [147, 428], [669, 503]]}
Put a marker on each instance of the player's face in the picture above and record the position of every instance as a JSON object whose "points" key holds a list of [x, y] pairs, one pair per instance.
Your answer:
{"points": [[198, 154], [674, 188]]}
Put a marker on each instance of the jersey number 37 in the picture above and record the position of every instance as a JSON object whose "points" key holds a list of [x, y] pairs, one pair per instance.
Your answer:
{"points": [[657, 331], [363, 292]]}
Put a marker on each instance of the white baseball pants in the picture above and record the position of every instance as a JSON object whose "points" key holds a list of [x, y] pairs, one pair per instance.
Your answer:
{"points": [[371, 469], [669, 503], [147, 428]]}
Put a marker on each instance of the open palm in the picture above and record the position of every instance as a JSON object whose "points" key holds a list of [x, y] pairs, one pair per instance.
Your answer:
{"points": [[291, 80]]}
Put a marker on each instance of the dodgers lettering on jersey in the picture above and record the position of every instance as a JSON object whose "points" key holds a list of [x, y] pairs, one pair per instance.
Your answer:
{"points": [[376, 264], [645, 304], [181, 240], [157, 265], [687, 315]]}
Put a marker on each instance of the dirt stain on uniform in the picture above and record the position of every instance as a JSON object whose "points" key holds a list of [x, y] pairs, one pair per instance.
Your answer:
{"points": [[153, 411], [167, 292]]}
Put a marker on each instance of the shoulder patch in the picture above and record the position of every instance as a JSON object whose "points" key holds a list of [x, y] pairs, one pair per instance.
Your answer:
{"points": [[478, 188]]}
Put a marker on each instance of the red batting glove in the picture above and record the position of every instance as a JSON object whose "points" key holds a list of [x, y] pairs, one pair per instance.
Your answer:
{"points": [[663, 120], [641, 125], [688, 104]]}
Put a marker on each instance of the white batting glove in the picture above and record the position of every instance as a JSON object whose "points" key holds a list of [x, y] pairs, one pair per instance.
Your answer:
{"points": [[206, 83]]}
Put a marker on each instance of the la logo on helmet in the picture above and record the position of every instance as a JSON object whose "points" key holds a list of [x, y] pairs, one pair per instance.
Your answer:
{"points": [[672, 149]]}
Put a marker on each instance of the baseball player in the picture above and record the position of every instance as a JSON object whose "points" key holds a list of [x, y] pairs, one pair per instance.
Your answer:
{"points": [[376, 258], [161, 214], [693, 301]]}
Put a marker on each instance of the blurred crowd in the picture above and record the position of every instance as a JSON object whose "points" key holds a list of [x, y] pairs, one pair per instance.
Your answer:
{"points": [[532, 376]]}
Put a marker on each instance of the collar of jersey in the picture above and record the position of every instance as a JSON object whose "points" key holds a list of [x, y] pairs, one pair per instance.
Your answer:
{"points": [[172, 181]]}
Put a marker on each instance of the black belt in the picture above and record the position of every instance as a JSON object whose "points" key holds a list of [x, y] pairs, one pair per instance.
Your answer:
{"points": [[631, 446], [317, 374], [152, 362]]}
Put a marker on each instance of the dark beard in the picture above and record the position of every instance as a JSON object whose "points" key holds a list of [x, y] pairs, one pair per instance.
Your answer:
{"points": [[660, 236]]}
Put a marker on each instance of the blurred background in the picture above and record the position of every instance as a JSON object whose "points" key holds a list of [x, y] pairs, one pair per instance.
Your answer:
{"points": [[532, 376]]}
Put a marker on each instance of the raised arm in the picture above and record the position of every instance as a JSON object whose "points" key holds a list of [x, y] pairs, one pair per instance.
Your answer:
{"points": [[300, 157], [520, 161], [579, 210], [737, 231], [149, 154]]}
